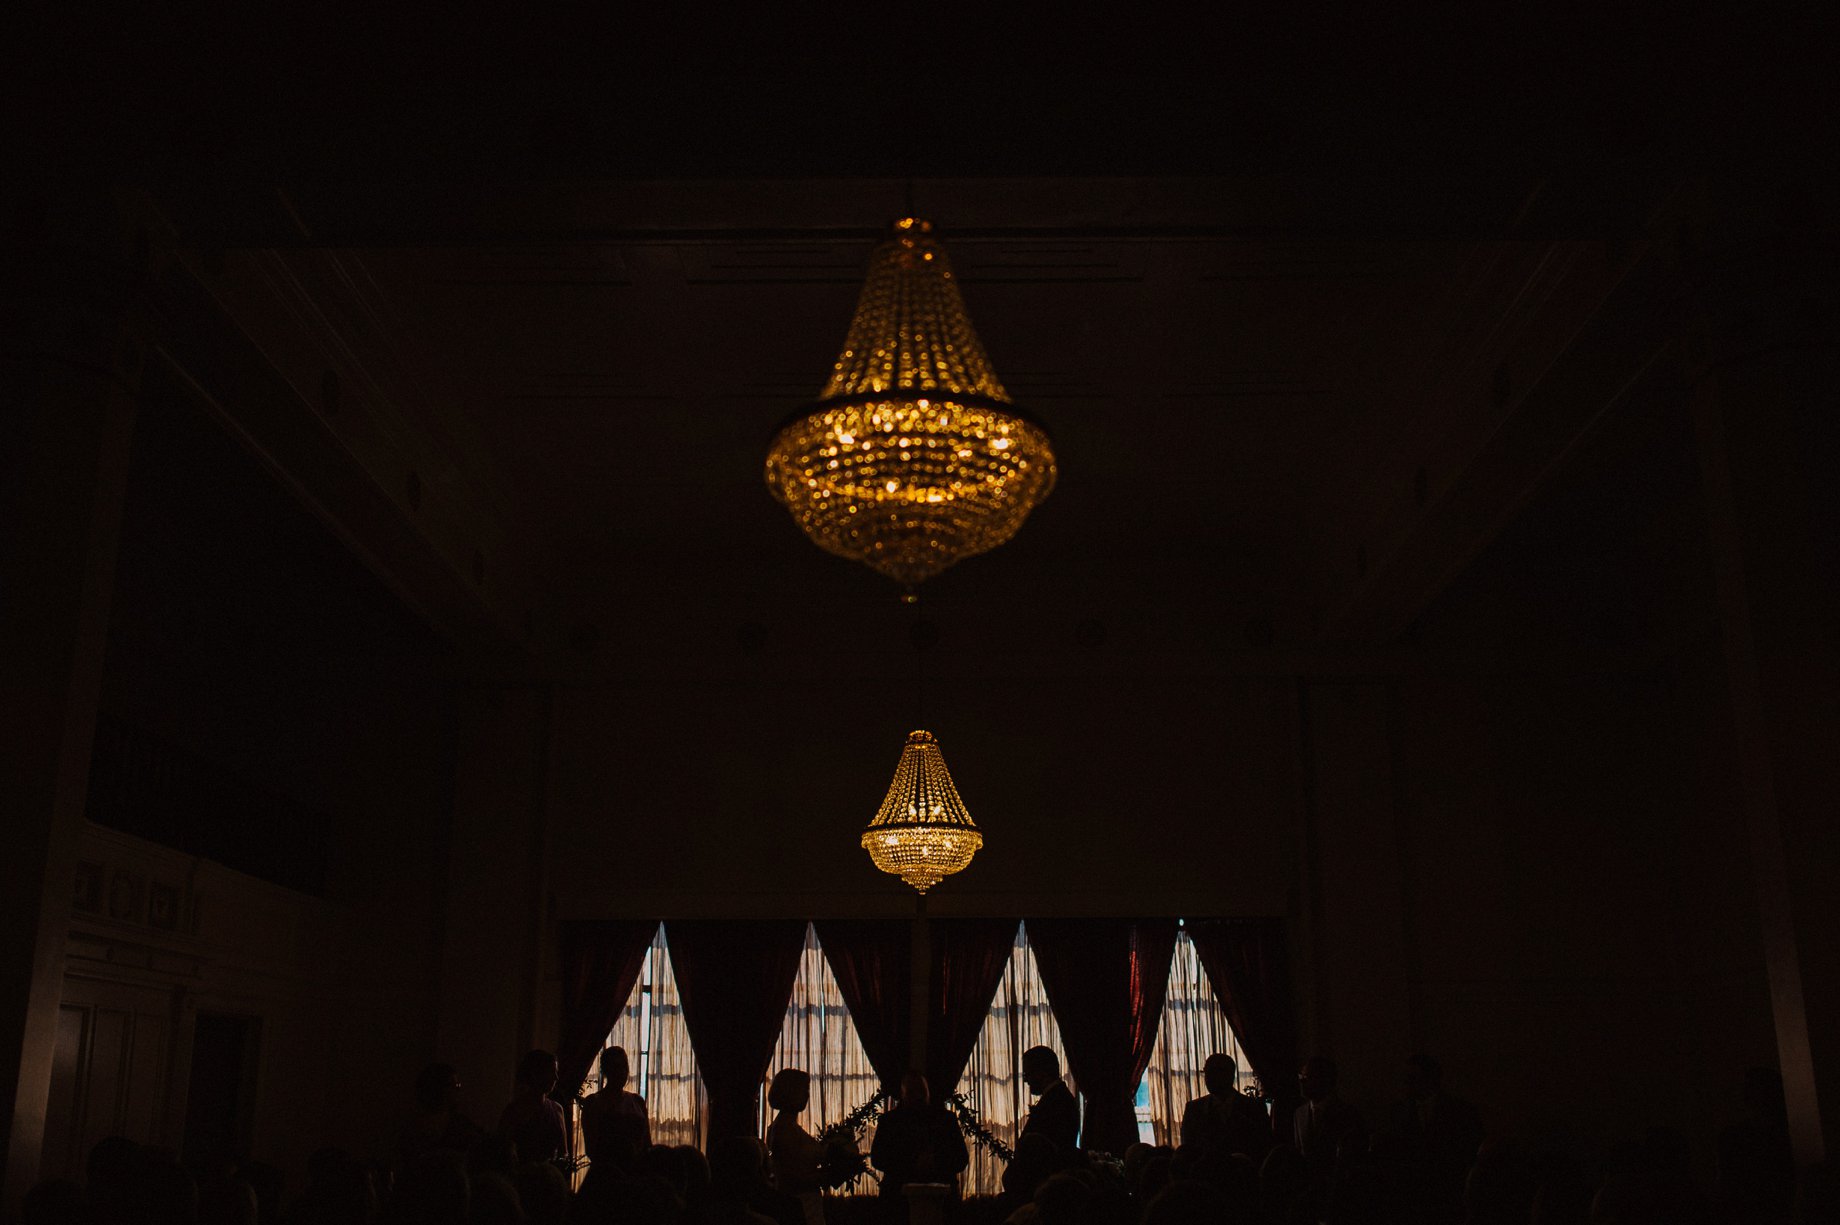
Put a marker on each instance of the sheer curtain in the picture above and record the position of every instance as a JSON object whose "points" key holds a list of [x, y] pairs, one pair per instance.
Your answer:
{"points": [[651, 1030], [1193, 1027], [992, 1084], [819, 1038]]}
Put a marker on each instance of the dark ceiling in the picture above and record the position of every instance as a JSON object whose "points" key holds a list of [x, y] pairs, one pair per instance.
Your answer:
{"points": [[1311, 320]]}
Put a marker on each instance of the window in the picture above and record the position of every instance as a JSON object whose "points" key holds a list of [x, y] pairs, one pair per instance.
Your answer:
{"points": [[651, 1029], [1193, 1027], [992, 1082], [819, 1037]]}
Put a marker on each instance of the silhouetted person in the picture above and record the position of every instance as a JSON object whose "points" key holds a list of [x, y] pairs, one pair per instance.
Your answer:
{"points": [[164, 1191], [737, 1180], [339, 1191], [544, 1192], [224, 1199], [1499, 1189], [56, 1201], [614, 1120], [1756, 1169], [1284, 1179], [1055, 1113], [109, 1176], [917, 1141], [431, 1190], [1035, 1161], [1065, 1199], [1438, 1134], [793, 1152], [494, 1201], [531, 1120], [1187, 1203], [1226, 1119], [696, 1183], [1323, 1121], [268, 1182], [437, 1123]]}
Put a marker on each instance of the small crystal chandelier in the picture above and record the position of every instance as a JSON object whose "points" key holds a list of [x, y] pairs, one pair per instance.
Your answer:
{"points": [[922, 833], [914, 457]]}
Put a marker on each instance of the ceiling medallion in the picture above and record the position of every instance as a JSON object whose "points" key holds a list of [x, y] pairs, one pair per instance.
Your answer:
{"points": [[913, 457], [922, 833]]}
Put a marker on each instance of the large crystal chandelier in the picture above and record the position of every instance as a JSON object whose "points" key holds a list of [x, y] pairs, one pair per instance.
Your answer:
{"points": [[914, 457], [922, 833]]}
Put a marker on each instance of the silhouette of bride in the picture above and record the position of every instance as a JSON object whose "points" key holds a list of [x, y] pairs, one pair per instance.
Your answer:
{"points": [[794, 1152]]}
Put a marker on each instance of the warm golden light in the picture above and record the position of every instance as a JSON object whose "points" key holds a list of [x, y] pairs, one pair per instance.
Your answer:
{"points": [[922, 833], [914, 456]]}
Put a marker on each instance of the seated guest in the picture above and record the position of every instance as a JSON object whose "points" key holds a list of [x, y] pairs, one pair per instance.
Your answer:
{"points": [[917, 1141], [1226, 1119], [531, 1120], [614, 1120], [1055, 1114], [1035, 1162], [1323, 1121], [737, 1181]]}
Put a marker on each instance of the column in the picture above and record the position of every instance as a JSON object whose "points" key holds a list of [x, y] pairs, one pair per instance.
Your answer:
{"points": [[491, 946], [67, 392], [1762, 363]]}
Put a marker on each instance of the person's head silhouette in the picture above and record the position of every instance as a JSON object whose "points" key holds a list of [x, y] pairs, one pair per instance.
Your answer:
{"points": [[1220, 1073], [1041, 1067], [537, 1072], [615, 1071], [914, 1090], [790, 1091], [1317, 1080]]}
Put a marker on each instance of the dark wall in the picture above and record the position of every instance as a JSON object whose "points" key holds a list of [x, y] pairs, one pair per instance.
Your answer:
{"points": [[267, 703], [1517, 849], [1582, 924], [1164, 794]]}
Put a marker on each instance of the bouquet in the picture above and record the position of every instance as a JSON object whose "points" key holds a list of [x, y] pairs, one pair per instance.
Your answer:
{"points": [[843, 1162]]}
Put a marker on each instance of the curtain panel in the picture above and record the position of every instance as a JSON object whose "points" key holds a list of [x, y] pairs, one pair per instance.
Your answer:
{"points": [[1248, 961], [872, 961], [969, 956], [1106, 979], [601, 959], [735, 978]]}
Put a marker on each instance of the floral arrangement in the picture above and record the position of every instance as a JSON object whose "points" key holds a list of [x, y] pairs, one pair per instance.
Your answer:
{"points": [[843, 1163], [974, 1129]]}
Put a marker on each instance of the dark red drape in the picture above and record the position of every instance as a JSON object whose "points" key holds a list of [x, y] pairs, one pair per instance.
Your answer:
{"points": [[872, 960], [600, 964], [968, 957], [1248, 962], [735, 979], [1106, 979]]}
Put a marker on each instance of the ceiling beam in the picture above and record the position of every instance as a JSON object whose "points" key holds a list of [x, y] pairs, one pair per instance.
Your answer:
{"points": [[467, 212]]}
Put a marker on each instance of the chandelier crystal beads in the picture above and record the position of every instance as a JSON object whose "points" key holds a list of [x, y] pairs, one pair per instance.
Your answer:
{"points": [[914, 457], [922, 833]]}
